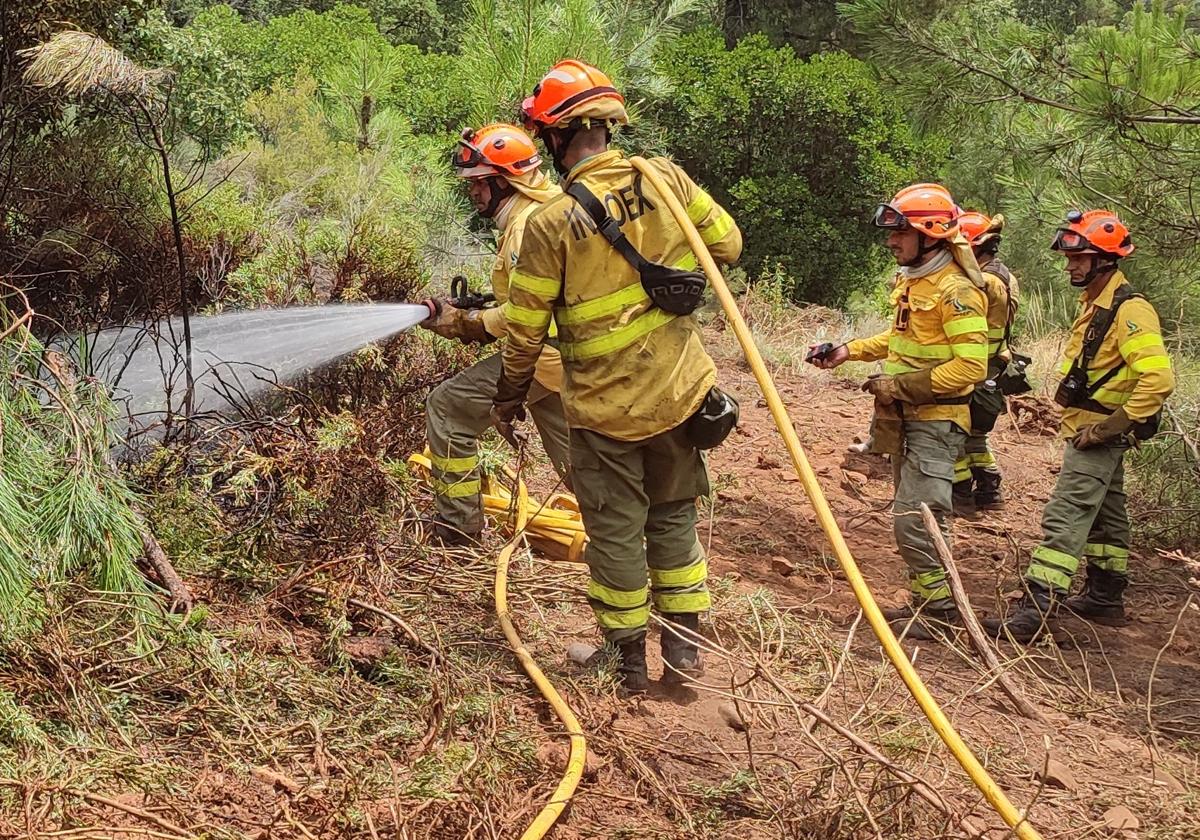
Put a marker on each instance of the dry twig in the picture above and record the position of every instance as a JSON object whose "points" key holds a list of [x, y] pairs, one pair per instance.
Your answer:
{"points": [[971, 622]]}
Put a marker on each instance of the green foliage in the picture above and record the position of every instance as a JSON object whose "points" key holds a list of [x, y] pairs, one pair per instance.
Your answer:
{"points": [[508, 45], [807, 26], [1082, 110], [419, 22], [419, 86], [798, 151], [345, 196], [208, 85], [64, 510]]}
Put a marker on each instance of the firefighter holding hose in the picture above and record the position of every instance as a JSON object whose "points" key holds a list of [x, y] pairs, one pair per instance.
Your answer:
{"points": [[934, 354], [500, 165], [608, 264]]}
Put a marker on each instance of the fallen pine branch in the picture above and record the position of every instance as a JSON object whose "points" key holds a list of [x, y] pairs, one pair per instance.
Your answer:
{"points": [[975, 633]]}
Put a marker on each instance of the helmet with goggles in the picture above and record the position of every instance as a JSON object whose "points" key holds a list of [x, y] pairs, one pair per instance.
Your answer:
{"points": [[1093, 232], [495, 150], [925, 208]]}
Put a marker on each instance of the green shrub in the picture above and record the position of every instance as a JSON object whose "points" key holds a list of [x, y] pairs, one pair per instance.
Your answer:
{"points": [[800, 152], [424, 89], [343, 211]]}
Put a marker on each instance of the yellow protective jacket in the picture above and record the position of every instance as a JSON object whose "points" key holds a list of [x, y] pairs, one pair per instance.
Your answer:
{"points": [[1003, 296], [1134, 341], [548, 371], [939, 323], [632, 370]]}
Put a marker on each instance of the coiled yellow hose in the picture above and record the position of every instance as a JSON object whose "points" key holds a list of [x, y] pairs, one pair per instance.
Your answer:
{"points": [[550, 522], [962, 753]]}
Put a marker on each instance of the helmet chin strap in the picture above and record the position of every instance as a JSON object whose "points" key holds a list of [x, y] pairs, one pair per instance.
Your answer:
{"points": [[928, 246], [501, 190], [1100, 264], [558, 140]]}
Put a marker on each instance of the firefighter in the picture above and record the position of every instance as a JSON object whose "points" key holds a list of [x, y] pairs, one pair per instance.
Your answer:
{"points": [[500, 165], [1116, 376], [638, 383], [934, 354], [977, 476]]}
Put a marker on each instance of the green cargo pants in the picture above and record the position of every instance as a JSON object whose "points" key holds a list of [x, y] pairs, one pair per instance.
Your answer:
{"points": [[457, 412], [638, 500], [1085, 517], [925, 473]]}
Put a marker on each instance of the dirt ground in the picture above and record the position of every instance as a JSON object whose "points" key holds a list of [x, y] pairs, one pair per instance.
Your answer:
{"points": [[275, 743], [1115, 738]]}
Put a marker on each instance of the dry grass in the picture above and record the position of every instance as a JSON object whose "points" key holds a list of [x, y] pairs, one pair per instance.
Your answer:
{"points": [[79, 63]]}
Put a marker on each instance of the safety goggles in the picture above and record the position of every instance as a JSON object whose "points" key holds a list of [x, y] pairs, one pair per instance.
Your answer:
{"points": [[1069, 241], [889, 218], [466, 154]]}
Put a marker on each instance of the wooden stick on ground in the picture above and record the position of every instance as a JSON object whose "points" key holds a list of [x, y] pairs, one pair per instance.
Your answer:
{"points": [[182, 599], [975, 633]]}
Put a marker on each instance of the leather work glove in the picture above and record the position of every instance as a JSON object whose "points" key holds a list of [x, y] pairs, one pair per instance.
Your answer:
{"points": [[451, 322], [915, 388], [882, 387], [1107, 430], [508, 406]]}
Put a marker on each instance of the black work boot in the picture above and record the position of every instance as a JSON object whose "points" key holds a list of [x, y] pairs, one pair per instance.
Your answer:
{"points": [[963, 497], [680, 653], [1102, 598], [629, 657], [631, 665], [450, 536], [922, 625], [987, 490], [1029, 618]]}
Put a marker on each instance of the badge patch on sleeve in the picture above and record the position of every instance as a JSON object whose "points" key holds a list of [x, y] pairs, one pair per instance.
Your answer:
{"points": [[1132, 327], [960, 308]]}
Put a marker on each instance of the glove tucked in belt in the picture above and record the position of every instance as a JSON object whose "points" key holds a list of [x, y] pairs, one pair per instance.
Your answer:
{"points": [[915, 388], [1114, 426]]}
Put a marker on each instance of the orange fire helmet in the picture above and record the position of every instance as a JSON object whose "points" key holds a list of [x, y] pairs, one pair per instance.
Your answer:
{"points": [[497, 149], [1093, 232], [926, 208], [979, 228], [573, 90]]}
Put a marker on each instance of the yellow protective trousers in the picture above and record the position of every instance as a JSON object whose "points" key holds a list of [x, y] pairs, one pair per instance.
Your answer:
{"points": [[638, 501], [457, 412]]}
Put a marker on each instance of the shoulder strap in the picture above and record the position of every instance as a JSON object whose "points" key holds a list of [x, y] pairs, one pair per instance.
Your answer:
{"points": [[607, 225], [1000, 270], [1098, 327]]}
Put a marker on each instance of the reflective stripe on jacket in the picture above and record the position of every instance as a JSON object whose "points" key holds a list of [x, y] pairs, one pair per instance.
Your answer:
{"points": [[939, 323], [548, 371], [1134, 340], [632, 370]]}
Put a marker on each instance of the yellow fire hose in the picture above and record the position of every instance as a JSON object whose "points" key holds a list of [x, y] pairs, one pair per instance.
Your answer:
{"points": [[995, 796], [552, 523]]}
